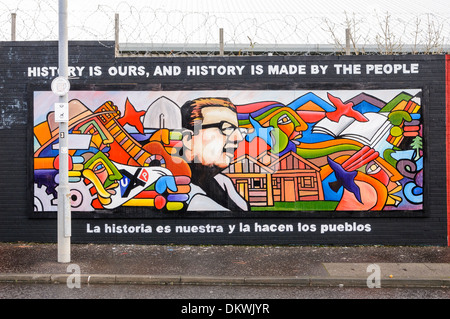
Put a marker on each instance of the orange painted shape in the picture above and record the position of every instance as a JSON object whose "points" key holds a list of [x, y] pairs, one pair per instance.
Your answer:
{"points": [[410, 134], [373, 195], [43, 162], [42, 133], [411, 128]]}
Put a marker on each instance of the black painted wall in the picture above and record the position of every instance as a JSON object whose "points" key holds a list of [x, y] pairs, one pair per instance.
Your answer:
{"points": [[16, 85]]}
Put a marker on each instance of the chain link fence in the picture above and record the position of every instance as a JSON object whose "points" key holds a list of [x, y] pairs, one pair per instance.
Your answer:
{"points": [[162, 30]]}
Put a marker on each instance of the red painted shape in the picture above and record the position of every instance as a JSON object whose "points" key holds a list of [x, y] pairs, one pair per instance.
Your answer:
{"points": [[160, 202], [343, 109], [132, 117], [56, 163]]}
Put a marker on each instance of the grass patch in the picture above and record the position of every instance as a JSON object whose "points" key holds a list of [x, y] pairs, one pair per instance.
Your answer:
{"points": [[299, 206]]}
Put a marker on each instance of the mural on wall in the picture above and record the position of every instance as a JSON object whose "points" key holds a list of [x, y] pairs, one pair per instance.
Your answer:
{"points": [[347, 150]]}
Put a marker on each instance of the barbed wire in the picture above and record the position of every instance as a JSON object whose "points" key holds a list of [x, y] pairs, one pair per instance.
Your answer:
{"points": [[147, 30]]}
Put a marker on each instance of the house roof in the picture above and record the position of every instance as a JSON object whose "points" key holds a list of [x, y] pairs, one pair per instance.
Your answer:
{"points": [[251, 160], [275, 165], [272, 167]]}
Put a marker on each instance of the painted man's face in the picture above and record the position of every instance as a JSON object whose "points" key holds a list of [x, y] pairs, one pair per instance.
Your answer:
{"points": [[215, 142], [288, 128], [103, 175]]}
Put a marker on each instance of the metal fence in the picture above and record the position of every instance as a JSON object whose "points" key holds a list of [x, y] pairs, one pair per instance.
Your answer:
{"points": [[158, 31]]}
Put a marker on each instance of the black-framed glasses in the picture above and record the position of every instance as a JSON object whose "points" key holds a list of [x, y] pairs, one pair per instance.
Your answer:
{"points": [[226, 128]]}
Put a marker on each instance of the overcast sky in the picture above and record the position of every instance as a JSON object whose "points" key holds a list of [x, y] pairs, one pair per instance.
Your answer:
{"points": [[198, 21]]}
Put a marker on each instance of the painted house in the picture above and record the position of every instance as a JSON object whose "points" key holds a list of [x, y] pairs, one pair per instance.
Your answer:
{"points": [[295, 179], [269, 178]]}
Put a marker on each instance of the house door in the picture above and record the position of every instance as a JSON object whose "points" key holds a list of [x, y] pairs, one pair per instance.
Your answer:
{"points": [[289, 190], [242, 188]]}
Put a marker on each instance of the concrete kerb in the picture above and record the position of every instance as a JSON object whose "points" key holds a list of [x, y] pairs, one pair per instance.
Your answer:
{"points": [[278, 281], [416, 283], [148, 279], [30, 278], [225, 280], [212, 280], [384, 283]]}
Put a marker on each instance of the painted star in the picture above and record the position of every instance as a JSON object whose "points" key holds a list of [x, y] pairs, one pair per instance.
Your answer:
{"points": [[132, 117]]}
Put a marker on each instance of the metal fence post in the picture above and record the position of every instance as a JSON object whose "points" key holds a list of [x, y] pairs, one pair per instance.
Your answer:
{"points": [[13, 26], [222, 53], [116, 34]]}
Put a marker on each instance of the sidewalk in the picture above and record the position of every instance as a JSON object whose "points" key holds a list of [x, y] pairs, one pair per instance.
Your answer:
{"points": [[240, 265]]}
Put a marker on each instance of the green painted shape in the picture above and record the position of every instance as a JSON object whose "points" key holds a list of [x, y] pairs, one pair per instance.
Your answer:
{"points": [[394, 102], [299, 206]]}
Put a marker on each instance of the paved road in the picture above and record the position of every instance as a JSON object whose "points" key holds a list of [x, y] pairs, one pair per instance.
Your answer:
{"points": [[175, 270], [197, 292]]}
